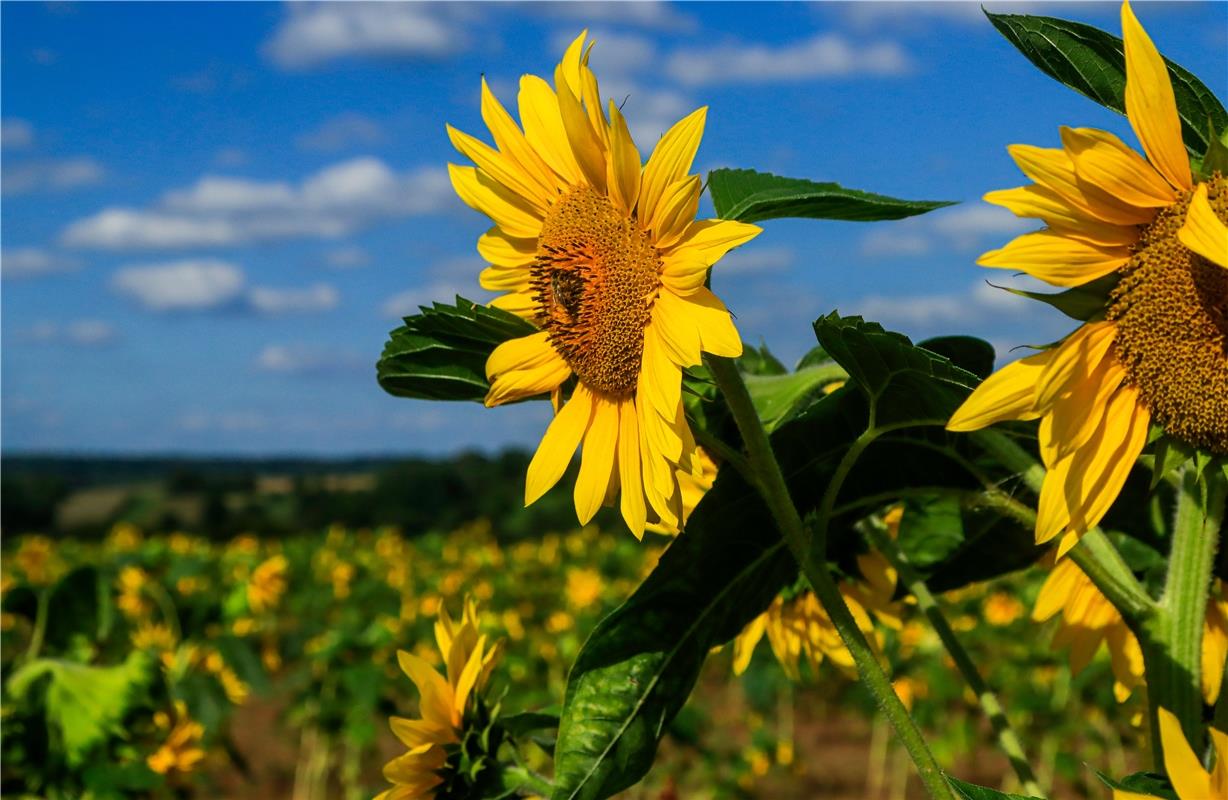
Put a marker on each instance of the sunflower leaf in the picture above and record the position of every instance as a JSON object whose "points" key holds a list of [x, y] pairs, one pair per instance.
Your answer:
{"points": [[970, 791], [749, 196], [440, 354], [1093, 63]]}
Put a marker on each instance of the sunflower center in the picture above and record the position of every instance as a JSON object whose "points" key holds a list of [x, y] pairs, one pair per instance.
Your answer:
{"points": [[1171, 310], [594, 279]]}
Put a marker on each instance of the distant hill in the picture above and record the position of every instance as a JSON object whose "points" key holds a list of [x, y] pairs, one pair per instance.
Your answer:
{"points": [[221, 497]]}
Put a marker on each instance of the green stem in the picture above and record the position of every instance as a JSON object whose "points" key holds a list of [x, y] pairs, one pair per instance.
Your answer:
{"points": [[1173, 648], [40, 625], [1008, 740], [765, 475]]}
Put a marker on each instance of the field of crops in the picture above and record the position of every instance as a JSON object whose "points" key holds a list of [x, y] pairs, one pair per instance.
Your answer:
{"points": [[164, 665]]}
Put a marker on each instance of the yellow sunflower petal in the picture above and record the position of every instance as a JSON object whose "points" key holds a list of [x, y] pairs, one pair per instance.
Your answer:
{"points": [[1056, 590], [1071, 424], [1099, 469], [524, 367], [679, 337], [434, 693], [597, 458], [1057, 259], [684, 277], [502, 169], [558, 445], [1106, 162], [1151, 105], [543, 127], [670, 160], [512, 142], [716, 329], [624, 163], [1052, 511], [501, 250], [584, 141], [1203, 232], [744, 644], [1073, 361], [1040, 202], [468, 677], [708, 240], [659, 480], [1184, 768], [417, 732], [504, 279], [675, 211], [1219, 774], [1007, 394], [486, 195], [519, 302], [635, 514], [660, 381], [1053, 169]]}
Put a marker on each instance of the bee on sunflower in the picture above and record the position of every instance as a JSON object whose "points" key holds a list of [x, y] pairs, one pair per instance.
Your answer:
{"points": [[1151, 235], [604, 255]]}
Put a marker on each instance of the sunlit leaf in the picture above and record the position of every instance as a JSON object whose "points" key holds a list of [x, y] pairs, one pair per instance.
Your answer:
{"points": [[750, 196]]}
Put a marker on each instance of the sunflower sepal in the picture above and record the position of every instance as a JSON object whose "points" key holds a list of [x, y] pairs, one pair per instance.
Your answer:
{"points": [[1144, 784], [1169, 455], [1085, 303], [1216, 157]]}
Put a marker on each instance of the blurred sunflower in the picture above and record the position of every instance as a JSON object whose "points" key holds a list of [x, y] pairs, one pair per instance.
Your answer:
{"points": [[1155, 232], [800, 627], [605, 256], [446, 703], [181, 750], [267, 584]]}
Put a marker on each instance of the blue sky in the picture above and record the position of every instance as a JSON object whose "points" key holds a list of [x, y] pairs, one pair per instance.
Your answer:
{"points": [[213, 213]]}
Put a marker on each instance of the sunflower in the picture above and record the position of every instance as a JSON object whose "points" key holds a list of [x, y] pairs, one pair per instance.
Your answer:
{"points": [[1157, 351], [267, 584], [604, 255], [1191, 781], [443, 703], [181, 751]]}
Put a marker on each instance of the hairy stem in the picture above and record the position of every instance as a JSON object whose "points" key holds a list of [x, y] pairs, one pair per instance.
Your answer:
{"points": [[765, 475]]}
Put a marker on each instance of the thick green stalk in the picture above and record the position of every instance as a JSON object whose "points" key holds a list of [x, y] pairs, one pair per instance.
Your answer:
{"points": [[765, 475], [1173, 648], [1008, 740]]}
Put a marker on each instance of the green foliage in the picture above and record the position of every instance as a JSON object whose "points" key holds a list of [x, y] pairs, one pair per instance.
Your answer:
{"points": [[1216, 157], [968, 791], [79, 605], [1144, 783], [750, 196], [84, 704], [931, 529], [1093, 63], [441, 353], [1081, 302]]}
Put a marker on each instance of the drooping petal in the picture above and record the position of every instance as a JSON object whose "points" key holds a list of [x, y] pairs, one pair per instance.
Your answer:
{"points": [[1007, 394], [744, 644], [1183, 766], [1203, 231], [1052, 511], [1057, 259], [660, 382], [1106, 162], [481, 193], [543, 127], [524, 367], [670, 160], [558, 445], [1073, 361], [634, 512], [434, 693], [417, 732], [1151, 105], [597, 458], [1056, 590], [1073, 418]]}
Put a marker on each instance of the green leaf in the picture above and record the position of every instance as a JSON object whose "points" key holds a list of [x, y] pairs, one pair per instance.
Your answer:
{"points": [[1146, 783], [85, 704], [79, 605], [750, 196], [1093, 63], [1169, 455], [969, 791], [778, 398], [903, 382], [931, 529], [528, 722], [1216, 157], [759, 361], [970, 353], [1081, 303], [441, 353]]}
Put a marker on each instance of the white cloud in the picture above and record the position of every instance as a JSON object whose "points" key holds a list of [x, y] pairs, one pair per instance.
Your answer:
{"points": [[963, 228], [192, 285], [29, 262], [641, 13], [318, 297], [825, 55], [312, 34], [79, 333], [16, 134], [756, 261], [351, 257], [51, 175], [218, 211], [345, 131], [874, 15], [404, 304], [979, 303], [301, 360]]}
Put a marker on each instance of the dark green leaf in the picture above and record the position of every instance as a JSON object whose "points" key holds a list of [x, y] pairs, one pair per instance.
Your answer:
{"points": [[750, 196], [813, 358], [441, 353], [974, 355], [528, 722], [969, 791], [1081, 303], [74, 608], [931, 529], [1147, 783], [1093, 63], [759, 361]]}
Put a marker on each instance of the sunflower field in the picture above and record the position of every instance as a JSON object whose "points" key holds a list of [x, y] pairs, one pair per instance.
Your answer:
{"points": [[889, 570]]}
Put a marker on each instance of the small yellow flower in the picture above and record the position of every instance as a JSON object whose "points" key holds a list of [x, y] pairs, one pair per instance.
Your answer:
{"points": [[583, 588], [153, 636], [181, 751], [131, 600], [1001, 609], [124, 536], [36, 558], [267, 584]]}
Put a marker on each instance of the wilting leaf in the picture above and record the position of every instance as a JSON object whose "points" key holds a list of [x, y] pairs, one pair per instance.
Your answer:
{"points": [[750, 196]]}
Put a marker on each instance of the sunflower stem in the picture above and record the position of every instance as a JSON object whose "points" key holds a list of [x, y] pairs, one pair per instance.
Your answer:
{"points": [[1094, 554], [765, 475], [1172, 647], [1008, 740]]}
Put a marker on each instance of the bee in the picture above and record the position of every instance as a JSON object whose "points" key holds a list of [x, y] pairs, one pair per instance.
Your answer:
{"points": [[567, 291]]}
